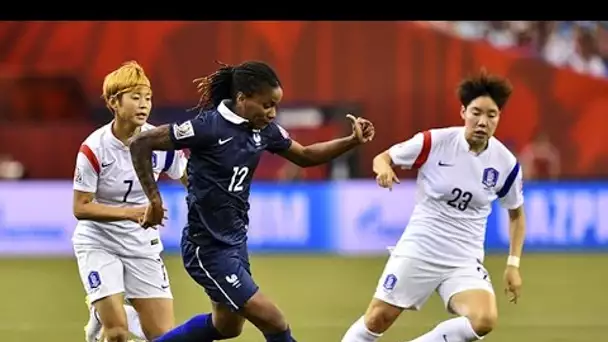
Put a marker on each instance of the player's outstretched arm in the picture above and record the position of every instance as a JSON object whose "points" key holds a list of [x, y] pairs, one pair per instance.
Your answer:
{"points": [[141, 147], [322, 152]]}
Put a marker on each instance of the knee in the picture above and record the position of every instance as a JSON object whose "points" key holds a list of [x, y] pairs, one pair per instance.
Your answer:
{"points": [[275, 323], [156, 331], [483, 322], [230, 330], [116, 334], [380, 316], [265, 315]]}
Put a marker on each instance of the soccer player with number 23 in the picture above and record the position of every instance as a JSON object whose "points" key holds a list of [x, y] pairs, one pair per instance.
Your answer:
{"points": [[461, 171]]}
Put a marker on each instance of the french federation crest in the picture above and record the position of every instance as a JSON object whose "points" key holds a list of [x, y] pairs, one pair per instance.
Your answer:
{"points": [[257, 139], [154, 160], [490, 177]]}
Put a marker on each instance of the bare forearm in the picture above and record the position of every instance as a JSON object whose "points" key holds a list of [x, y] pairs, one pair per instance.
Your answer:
{"points": [[381, 161], [322, 152], [141, 148], [517, 234], [100, 212]]}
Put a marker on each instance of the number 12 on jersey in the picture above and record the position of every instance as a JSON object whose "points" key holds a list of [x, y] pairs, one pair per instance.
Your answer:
{"points": [[239, 173]]}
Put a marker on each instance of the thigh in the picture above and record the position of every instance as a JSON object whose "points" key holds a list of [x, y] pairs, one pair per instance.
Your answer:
{"points": [[101, 272], [473, 278], [408, 283], [222, 272], [147, 289], [146, 277]]}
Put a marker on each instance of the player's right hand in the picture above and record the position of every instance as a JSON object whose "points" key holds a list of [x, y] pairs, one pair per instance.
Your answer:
{"points": [[386, 177], [154, 215]]}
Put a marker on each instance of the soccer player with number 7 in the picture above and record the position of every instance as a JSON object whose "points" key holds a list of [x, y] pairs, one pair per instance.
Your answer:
{"points": [[235, 126], [461, 171], [117, 258]]}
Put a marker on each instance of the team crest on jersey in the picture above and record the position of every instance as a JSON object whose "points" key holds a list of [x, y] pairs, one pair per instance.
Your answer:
{"points": [[94, 280], [154, 160], [389, 282], [490, 177], [257, 139]]}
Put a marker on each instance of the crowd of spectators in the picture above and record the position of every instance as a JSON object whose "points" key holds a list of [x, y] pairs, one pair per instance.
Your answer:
{"points": [[579, 45]]}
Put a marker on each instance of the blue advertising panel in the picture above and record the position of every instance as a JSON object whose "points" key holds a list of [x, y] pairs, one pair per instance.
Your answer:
{"points": [[354, 217]]}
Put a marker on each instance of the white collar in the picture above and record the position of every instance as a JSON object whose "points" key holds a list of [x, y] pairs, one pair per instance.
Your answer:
{"points": [[114, 140], [464, 144], [229, 115]]}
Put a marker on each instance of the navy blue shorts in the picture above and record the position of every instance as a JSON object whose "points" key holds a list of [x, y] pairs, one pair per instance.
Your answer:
{"points": [[223, 272]]}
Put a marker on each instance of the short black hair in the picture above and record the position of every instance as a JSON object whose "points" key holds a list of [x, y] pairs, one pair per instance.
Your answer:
{"points": [[499, 89], [248, 78]]}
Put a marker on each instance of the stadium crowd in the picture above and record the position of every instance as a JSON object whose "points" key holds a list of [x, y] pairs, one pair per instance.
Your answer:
{"points": [[579, 45]]}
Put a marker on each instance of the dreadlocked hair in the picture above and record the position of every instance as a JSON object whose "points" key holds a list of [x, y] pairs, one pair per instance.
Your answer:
{"points": [[248, 78]]}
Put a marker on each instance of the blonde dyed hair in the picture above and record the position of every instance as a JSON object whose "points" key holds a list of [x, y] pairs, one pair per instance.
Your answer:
{"points": [[124, 79]]}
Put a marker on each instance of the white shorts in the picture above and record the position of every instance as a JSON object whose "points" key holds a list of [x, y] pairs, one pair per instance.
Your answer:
{"points": [[104, 274], [408, 283]]}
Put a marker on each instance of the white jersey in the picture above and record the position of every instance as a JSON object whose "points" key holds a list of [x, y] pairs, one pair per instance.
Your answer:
{"points": [[456, 188], [104, 167]]}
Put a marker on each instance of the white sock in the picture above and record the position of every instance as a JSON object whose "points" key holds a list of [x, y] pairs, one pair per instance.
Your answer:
{"points": [[133, 322], [453, 330], [358, 332]]}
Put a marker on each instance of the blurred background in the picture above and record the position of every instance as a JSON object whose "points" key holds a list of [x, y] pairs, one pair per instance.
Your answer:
{"points": [[319, 235]]}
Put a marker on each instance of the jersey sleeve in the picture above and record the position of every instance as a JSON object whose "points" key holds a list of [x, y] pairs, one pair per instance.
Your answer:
{"points": [[87, 170], [511, 195], [279, 139], [412, 153], [194, 133], [175, 164]]}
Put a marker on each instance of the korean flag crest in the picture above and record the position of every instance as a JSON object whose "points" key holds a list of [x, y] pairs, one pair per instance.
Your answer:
{"points": [[490, 177]]}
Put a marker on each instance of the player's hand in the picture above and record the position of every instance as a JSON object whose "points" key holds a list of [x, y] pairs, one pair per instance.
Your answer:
{"points": [[135, 214], [512, 284], [386, 177], [154, 215], [363, 129]]}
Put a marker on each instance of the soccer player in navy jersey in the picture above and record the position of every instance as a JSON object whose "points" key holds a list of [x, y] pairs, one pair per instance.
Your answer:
{"points": [[235, 125]]}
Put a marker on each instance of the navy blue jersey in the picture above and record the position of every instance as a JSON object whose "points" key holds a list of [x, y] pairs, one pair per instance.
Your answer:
{"points": [[224, 153]]}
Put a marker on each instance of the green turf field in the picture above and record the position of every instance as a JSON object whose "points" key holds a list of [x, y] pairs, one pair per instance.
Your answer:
{"points": [[564, 298]]}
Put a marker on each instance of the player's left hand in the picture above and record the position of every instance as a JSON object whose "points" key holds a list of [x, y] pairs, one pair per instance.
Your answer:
{"points": [[363, 129], [154, 216], [512, 283]]}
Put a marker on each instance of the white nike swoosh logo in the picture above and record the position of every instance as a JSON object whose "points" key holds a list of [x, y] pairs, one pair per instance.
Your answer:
{"points": [[222, 142]]}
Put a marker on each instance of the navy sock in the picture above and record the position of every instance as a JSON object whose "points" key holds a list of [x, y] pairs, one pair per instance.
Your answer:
{"points": [[198, 329], [284, 336]]}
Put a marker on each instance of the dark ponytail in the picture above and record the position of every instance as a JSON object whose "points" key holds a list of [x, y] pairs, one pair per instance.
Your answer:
{"points": [[215, 87], [248, 78]]}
